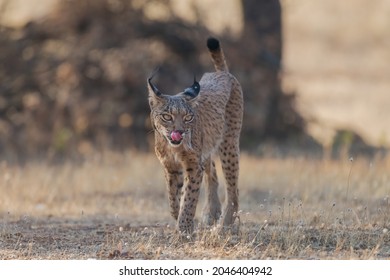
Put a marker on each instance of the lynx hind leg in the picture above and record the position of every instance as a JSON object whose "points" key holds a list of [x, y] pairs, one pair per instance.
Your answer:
{"points": [[174, 182], [229, 153], [212, 207]]}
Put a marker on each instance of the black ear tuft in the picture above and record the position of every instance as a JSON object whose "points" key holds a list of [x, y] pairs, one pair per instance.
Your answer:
{"points": [[212, 44], [152, 86], [194, 90]]}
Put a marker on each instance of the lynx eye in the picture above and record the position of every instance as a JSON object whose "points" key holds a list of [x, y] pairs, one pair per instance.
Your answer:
{"points": [[188, 118], [166, 117]]}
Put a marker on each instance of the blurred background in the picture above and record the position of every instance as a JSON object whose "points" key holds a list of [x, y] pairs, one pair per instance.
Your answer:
{"points": [[315, 74]]}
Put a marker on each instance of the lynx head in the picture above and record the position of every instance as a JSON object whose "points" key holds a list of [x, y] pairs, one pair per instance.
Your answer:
{"points": [[173, 116]]}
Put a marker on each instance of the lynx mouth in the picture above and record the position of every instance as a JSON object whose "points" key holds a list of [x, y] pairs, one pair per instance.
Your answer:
{"points": [[174, 142], [176, 137]]}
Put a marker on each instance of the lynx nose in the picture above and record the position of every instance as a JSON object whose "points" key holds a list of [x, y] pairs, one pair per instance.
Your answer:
{"points": [[177, 135]]}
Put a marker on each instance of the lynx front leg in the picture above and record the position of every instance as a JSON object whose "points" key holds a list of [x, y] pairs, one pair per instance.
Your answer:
{"points": [[189, 198], [174, 181]]}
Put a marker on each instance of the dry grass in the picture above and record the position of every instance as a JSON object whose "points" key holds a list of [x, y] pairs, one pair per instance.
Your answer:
{"points": [[115, 206]]}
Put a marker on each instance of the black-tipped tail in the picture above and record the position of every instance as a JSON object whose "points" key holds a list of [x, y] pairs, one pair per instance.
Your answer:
{"points": [[212, 44], [217, 54]]}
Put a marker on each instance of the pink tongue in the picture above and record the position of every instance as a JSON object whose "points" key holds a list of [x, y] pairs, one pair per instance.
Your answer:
{"points": [[176, 135]]}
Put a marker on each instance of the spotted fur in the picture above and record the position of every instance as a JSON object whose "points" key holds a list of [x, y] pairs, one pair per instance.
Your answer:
{"points": [[192, 126]]}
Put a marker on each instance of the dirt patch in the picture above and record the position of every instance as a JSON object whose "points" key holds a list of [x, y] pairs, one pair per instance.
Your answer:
{"points": [[100, 239]]}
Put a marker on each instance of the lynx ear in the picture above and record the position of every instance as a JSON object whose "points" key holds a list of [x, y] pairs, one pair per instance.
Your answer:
{"points": [[155, 95], [192, 91], [151, 86]]}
